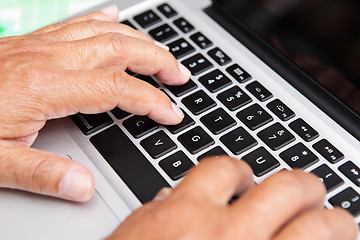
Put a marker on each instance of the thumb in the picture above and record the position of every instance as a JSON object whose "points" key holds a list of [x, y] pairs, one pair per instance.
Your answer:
{"points": [[43, 172]]}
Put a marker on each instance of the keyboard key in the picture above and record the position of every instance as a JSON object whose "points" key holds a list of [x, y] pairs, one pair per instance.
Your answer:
{"points": [[158, 144], [183, 25], [147, 19], [261, 161], [328, 177], [215, 152], [185, 123], [328, 151], [218, 121], [238, 73], [129, 163], [197, 64], [351, 171], [219, 56], [128, 23], [254, 117], [196, 140], [120, 114], [281, 110], [198, 102], [304, 130], [238, 141], [167, 10], [215, 81], [163, 33], [180, 48], [259, 91], [139, 126], [348, 199], [234, 98], [176, 165], [200, 40], [90, 123], [148, 79], [181, 90], [299, 156], [276, 136]]}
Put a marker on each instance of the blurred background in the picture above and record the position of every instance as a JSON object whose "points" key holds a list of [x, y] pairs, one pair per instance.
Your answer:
{"points": [[23, 16]]}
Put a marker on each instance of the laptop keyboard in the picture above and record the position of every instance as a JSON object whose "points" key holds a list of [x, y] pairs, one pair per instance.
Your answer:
{"points": [[247, 121]]}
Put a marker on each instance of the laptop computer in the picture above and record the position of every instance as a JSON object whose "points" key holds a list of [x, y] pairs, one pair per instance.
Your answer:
{"points": [[247, 98]]}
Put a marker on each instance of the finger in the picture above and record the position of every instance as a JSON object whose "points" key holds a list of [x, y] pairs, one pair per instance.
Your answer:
{"points": [[123, 52], [45, 173], [215, 179], [110, 14], [321, 224], [283, 195], [91, 28], [98, 91]]}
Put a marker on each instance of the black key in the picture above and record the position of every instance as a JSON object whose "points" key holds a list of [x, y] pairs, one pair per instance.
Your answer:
{"points": [[147, 19], [148, 79], [234, 98], [261, 161], [185, 123], [328, 177], [139, 126], [90, 123], [215, 81], [238, 141], [254, 117], [281, 110], [198, 102], [328, 151], [167, 10], [349, 200], [218, 121], [176, 165], [351, 171], [129, 163], [219, 56], [180, 48], [181, 90], [158, 144], [200, 40], [183, 25], [276, 136], [128, 23], [215, 152], [196, 140], [238, 73], [259, 91], [299, 156], [163, 33], [197, 64], [304, 130], [120, 114]]}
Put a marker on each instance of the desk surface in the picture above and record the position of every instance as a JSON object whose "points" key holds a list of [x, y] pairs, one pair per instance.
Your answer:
{"points": [[23, 16]]}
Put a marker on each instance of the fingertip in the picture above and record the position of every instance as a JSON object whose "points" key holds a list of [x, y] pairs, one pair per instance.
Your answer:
{"points": [[112, 11], [77, 185]]}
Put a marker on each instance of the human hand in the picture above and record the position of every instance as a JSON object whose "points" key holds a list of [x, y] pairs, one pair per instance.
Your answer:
{"points": [[287, 205], [74, 66]]}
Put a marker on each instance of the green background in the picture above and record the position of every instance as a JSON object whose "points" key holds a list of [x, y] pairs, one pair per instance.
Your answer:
{"points": [[22, 16]]}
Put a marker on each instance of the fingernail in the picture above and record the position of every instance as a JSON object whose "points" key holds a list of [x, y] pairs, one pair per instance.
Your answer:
{"points": [[159, 44], [184, 70], [163, 194], [178, 111], [76, 185], [110, 10]]}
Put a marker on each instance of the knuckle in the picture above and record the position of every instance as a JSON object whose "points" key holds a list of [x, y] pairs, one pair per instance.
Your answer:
{"points": [[291, 183], [116, 43]]}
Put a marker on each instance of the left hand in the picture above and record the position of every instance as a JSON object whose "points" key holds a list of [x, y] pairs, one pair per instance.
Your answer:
{"points": [[74, 66]]}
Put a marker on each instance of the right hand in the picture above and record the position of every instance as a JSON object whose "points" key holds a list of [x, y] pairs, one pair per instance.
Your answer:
{"points": [[287, 205]]}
